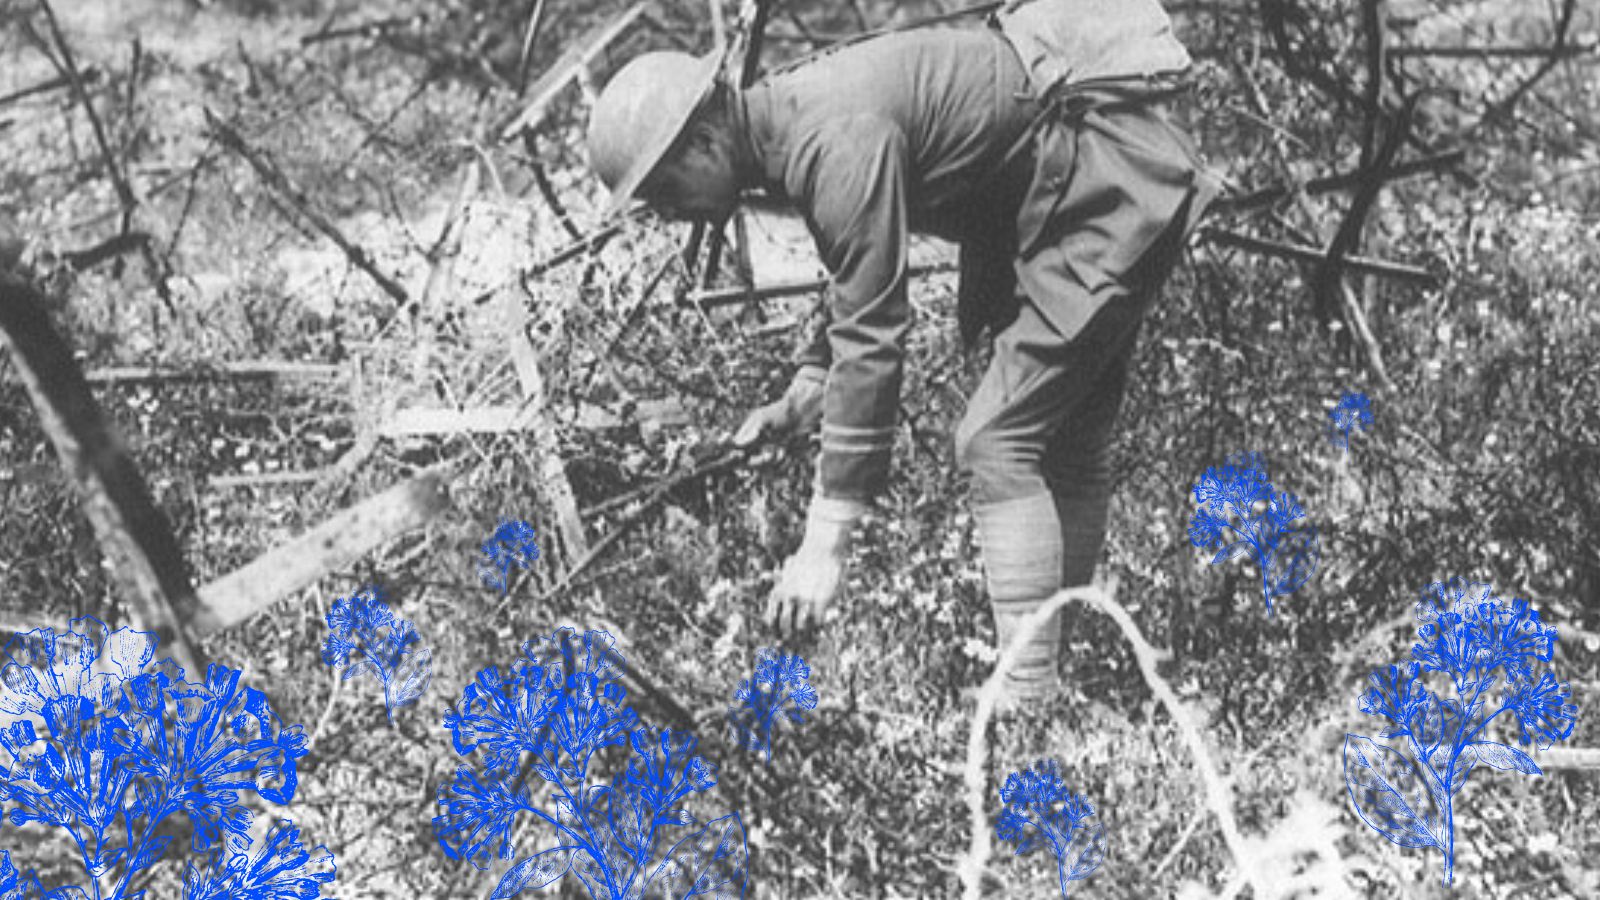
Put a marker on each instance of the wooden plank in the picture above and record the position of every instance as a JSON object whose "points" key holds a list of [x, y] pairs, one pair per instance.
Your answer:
{"points": [[332, 545], [143, 555], [240, 370], [1568, 758], [421, 422]]}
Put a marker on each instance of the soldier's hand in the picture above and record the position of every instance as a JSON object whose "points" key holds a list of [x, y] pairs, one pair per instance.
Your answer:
{"points": [[810, 582], [799, 410]]}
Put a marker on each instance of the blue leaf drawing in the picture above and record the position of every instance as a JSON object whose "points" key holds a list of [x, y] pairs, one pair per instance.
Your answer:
{"points": [[1490, 655], [711, 862], [1352, 413], [1388, 792], [779, 691], [511, 546], [16, 885], [363, 623], [1503, 757], [532, 734], [99, 739], [534, 873], [1084, 855], [1039, 811], [1240, 514]]}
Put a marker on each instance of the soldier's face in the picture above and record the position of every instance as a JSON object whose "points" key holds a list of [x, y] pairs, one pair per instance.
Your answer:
{"points": [[696, 181]]}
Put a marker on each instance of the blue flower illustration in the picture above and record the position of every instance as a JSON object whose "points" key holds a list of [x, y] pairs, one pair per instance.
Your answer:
{"points": [[99, 739], [1039, 811], [1489, 651], [511, 546], [1353, 412], [364, 622], [779, 690], [1239, 513], [283, 868], [551, 715]]}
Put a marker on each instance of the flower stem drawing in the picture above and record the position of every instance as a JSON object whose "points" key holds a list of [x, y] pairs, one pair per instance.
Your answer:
{"points": [[1241, 515], [363, 622], [551, 715], [99, 740], [779, 690], [1352, 413], [1488, 652], [1040, 811]]}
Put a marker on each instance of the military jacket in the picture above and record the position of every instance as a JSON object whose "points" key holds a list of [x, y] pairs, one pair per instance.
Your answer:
{"points": [[921, 131]]}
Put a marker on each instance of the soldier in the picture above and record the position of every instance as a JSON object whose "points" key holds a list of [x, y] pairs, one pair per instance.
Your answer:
{"points": [[1041, 145]]}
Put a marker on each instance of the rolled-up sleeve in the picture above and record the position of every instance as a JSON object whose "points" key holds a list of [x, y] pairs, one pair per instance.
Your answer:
{"points": [[850, 174]]}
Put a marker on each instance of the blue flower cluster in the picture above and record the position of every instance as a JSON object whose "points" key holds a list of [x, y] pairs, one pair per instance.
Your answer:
{"points": [[552, 713], [779, 690], [1489, 652], [363, 622], [105, 743], [1039, 811], [1239, 513], [511, 546], [1352, 412]]}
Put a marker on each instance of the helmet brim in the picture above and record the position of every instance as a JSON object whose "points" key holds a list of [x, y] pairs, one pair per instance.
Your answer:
{"points": [[655, 144]]}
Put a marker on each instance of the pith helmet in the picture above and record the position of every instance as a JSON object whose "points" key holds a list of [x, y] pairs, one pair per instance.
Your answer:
{"points": [[640, 114]]}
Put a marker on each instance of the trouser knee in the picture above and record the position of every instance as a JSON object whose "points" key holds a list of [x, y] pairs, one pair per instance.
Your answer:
{"points": [[1001, 467]]}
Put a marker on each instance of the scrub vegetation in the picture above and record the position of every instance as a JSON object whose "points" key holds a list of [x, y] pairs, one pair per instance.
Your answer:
{"points": [[308, 250]]}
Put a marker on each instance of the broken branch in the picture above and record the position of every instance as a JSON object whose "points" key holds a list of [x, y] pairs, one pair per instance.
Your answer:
{"points": [[280, 183], [1301, 253], [1268, 196]]}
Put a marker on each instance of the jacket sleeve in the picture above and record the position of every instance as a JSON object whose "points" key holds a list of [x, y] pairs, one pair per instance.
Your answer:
{"points": [[849, 177]]}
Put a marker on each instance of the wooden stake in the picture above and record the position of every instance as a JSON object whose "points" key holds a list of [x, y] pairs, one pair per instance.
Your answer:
{"points": [[332, 545]]}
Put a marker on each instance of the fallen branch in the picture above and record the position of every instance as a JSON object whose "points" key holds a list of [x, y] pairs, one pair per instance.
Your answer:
{"points": [[1305, 254], [280, 183], [419, 422], [236, 371], [525, 358], [1363, 331], [334, 544], [89, 76], [588, 246], [1488, 51], [1376, 157], [128, 242], [142, 554], [652, 494], [578, 56], [1569, 758], [265, 479], [1268, 196]]}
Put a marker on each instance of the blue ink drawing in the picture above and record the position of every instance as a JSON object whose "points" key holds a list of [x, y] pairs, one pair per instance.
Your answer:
{"points": [[1039, 811], [549, 716], [1489, 652], [511, 546], [363, 622], [103, 742], [1353, 412], [1240, 514], [780, 690]]}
